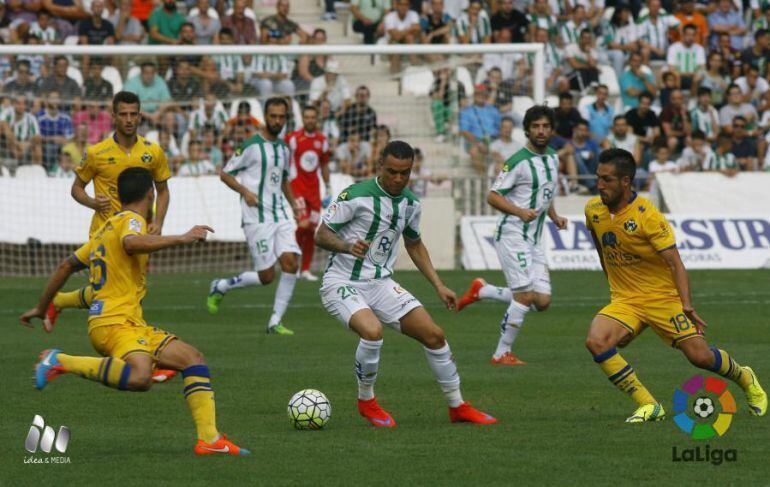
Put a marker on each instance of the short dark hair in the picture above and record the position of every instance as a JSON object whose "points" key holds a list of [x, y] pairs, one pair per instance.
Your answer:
{"points": [[619, 117], [309, 107], [704, 90], [697, 134], [319, 31], [581, 121], [226, 31], [186, 24], [23, 62], [566, 96], [536, 113], [647, 95], [125, 97], [740, 118], [622, 160], [398, 149], [276, 100], [586, 31], [724, 137], [56, 59], [133, 184], [690, 27], [760, 33], [507, 119], [147, 64]]}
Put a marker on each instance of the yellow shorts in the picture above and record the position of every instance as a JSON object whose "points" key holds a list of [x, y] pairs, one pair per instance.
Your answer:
{"points": [[119, 341], [664, 316]]}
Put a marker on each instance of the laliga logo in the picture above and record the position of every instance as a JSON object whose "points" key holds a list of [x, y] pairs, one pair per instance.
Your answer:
{"points": [[703, 407]]}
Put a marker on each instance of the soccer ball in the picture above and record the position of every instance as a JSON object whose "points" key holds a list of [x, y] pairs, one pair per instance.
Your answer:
{"points": [[703, 407], [309, 409]]}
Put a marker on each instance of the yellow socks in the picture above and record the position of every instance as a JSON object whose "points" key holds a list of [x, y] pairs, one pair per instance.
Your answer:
{"points": [[728, 368], [200, 400], [80, 298], [623, 376], [110, 371]]}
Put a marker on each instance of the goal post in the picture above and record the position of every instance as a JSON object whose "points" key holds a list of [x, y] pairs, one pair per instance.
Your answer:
{"points": [[43, 224]]}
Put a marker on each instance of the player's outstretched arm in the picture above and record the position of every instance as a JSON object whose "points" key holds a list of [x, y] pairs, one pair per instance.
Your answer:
{"points": [[674, 261], [145, 244], [66, 268], [328, 240], [501, 203], [421, 258], [232, 183]]}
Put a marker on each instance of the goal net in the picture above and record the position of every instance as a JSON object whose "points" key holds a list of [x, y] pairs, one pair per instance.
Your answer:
{"points": [[201, 102]]}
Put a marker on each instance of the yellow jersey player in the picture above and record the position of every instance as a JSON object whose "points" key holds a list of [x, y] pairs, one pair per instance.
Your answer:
{"points": [[116, 256], [648, 287], [102, 163]]}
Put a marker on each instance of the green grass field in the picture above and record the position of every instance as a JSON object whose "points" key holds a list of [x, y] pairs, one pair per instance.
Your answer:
{"points": [[560, 420]]}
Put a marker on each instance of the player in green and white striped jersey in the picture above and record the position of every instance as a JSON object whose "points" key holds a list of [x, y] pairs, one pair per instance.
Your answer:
{"points": [[721, 159], [524, 193], [570, 31], [362, 229], [653, 31], [23, 133], [259, 172], [704, 117], [210, 113]]}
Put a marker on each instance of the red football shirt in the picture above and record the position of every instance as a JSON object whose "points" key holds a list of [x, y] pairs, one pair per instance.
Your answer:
{"points": [[308, 153]]}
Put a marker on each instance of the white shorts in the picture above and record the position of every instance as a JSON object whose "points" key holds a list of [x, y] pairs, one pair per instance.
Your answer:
{"points": [[268, 241], [385, 297], [524, 265]]}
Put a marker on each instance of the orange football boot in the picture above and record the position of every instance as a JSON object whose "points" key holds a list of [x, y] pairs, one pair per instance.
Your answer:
{"points": [[373, 413], [163, 375], [507, 359], [472, 294], [465, 413], [222, 445]]}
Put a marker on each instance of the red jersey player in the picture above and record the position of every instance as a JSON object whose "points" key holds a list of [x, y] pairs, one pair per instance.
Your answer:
{"points": [[309, 153]]}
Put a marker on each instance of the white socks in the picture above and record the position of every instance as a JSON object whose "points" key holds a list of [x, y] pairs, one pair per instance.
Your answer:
{"points": [[367, 363], [445, 370], [510, 327], [498, 293], [249, 278], [282, 297]]}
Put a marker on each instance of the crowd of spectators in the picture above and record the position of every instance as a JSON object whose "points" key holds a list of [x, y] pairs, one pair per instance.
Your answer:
{"points": [[684, 85]]}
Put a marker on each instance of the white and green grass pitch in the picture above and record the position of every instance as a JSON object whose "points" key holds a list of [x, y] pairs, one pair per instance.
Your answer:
{"points": [[560, 420]]}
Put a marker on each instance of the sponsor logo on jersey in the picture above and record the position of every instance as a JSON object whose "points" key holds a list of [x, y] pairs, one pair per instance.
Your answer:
{"points": [[331, 210], [146, 158], [343, 196], [609, 239], [642, 209], [629, 226], [378, 254]]}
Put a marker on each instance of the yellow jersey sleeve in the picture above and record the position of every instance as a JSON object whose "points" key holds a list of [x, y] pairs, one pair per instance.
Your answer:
{"points": [[132, 225], [83, 254], [658, 230], [160, 170], [87, 168]]}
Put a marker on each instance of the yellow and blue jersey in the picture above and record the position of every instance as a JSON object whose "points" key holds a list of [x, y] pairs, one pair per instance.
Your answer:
{"points": [[102, 163], [118, 278], [630, 244]]}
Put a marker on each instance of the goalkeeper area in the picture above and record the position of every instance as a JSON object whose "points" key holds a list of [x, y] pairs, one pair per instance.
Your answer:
{"points": [[560, 421]]}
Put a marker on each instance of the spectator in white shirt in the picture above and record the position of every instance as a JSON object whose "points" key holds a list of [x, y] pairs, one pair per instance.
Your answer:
{"points": [[753, 86], [503, 147], [196, 164], [402, 26], [331, 86]]}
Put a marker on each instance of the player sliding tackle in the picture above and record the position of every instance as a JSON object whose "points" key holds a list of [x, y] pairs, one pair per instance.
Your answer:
{"points": [[116, 256], [648, 287], [362, 229], [262, 167], [523, 192]]}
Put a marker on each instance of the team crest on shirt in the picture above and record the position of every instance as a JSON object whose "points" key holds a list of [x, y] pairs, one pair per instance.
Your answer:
{"points": [[110, 160], [629, 226], [642, 209], [141, 341], [135, 225], [146, 158], [595, 218]]}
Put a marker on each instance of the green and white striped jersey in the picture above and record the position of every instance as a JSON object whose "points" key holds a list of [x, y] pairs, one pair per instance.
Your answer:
{"points": [[686, 59], [719, 162], [528, 180], [655, 32], [365, 211], [707, 121], [262, 166], [476, 31], [23, 128], [570, 32], [198, 118]]}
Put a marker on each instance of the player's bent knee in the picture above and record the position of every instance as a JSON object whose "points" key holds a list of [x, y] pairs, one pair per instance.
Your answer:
{"points": [[266, 276], [435, 338], [140, 379], [597, 344]]}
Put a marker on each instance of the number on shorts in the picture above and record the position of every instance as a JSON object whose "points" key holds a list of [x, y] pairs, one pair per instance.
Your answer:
{"points": [[680, 322], [98, 268], [346, 291], [261, 246], [522, 257]]}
